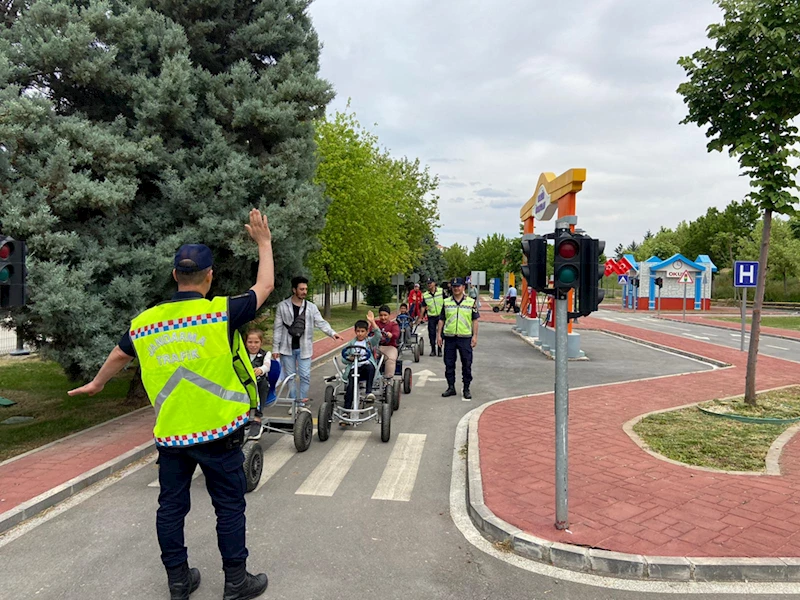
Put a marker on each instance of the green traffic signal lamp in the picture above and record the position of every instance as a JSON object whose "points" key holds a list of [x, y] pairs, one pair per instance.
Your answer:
{"points": [[567, 267], [5, 274]]}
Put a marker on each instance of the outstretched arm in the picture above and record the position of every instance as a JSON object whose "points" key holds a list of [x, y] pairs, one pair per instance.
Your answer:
{"points": [[258, 228], [115, 362]]}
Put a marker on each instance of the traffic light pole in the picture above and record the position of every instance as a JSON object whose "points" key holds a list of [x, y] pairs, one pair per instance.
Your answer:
{"points": [[562, 412]]}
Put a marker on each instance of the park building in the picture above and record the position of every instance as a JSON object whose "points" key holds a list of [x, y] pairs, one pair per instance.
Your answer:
{"points": [[683, 282]]}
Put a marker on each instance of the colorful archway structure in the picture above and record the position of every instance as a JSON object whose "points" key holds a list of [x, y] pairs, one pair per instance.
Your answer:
{"points": [[554, 195]]}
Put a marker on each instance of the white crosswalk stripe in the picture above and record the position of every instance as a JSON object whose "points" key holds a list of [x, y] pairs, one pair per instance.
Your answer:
{"points": [[326, 477], [400, 474], [275, 457]]}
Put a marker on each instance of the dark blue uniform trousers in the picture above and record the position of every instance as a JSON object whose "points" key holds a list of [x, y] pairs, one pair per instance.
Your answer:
{"points": [[222, 467], [462, 346], [433, 323]]}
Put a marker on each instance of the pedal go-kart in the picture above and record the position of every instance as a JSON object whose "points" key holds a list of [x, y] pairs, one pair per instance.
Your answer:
{"points": [[333, 410], [411, 341], [300, 424]]}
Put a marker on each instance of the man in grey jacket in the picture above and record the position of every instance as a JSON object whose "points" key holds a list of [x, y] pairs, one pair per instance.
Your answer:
{"points": [[294, 351]]}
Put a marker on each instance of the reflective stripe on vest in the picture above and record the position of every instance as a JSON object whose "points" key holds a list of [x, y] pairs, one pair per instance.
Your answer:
{"points": [[458, 317], [434, 301], [200, 387]]}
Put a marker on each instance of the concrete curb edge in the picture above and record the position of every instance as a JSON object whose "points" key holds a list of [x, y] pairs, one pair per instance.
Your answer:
{"points": [[604, 562]]}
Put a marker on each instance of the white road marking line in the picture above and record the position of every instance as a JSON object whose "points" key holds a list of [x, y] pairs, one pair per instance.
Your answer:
{"points": [[326, 477], [197, 472], [697, 337], [677, 328], [275, 457], [777, 347], [400, 474]]}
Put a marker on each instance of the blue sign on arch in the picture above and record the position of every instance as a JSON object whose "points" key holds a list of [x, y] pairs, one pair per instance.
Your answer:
{"points": [[745, 273]]}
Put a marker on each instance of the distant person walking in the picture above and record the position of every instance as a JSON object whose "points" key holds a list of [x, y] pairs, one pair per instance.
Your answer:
{"points": [[293, 337], [511, 299], [197, 374]]}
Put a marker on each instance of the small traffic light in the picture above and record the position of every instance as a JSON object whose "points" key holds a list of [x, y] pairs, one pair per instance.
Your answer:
{"points": [[567, 260], [12, 272], [534, 270], [659, 282], [590, 293]]}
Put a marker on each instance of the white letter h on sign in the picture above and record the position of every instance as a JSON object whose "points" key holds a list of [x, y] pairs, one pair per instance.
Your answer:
{"points": [[747, 271]]}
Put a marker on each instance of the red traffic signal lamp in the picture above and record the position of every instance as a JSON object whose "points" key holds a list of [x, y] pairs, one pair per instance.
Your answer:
{"points": [[12, 272], [567, 260]]}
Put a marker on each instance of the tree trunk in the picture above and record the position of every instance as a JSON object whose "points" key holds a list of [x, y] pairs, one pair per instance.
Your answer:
{"points": [[326, 309], [354, 304], [137, 395], [755, 327]]}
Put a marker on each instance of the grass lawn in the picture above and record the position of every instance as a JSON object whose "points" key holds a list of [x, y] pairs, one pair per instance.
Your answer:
{"points": [[40, 390], [691, 437], [778, 322]]}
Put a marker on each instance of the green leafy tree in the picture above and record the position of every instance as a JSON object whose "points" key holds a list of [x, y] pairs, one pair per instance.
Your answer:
{"points": [[619, 251], [745, 92], [431, 264], [457, 259], [662, 244], [489, 254], [127, 131]]}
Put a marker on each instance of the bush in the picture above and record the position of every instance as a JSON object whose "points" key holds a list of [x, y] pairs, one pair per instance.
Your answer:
{"points": [[376, 294]]}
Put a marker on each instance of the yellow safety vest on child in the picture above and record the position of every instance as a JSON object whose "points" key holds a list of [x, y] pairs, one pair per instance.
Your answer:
{"points": [[458, 317], [200, 387]]}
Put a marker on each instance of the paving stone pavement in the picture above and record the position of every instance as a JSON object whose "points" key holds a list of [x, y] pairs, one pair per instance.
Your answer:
{"points": [[623, 499]]}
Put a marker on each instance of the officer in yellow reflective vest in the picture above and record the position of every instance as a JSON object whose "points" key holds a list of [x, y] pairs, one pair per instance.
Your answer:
{"points": [[459, 328], [201, 384], [432, 303]]}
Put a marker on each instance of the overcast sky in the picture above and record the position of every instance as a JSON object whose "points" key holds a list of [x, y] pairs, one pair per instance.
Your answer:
{"points": [[490, 93]]}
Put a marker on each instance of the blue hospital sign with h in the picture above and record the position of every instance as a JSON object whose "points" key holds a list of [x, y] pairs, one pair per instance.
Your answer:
{"points": [[745, 273]]}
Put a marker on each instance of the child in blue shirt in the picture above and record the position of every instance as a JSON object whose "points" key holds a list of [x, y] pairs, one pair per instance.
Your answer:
{"points": [[268, 372], [404, 321], [368, 336]]}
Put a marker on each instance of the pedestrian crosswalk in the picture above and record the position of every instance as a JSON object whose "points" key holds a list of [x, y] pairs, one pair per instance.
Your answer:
{"points": [[396, 483]]}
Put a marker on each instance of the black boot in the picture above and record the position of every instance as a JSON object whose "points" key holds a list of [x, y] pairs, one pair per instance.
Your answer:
{"points": [[241, 585], [440, 350], [450, 391], [467, 395], [182, 581], [433, 351]]}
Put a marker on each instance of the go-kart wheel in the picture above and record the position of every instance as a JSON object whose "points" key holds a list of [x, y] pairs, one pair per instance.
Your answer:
{"points": [[324, 417], [421, 345], [329, 394], [386, 421], [253, 463], [416, 353], [303, 430], [407, 381], [396, 387]]}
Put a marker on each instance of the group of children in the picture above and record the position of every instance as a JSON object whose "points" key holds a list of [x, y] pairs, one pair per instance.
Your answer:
{"points": [[376, 337]]}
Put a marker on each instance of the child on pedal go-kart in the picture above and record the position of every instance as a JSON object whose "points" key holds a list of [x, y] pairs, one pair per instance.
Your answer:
{"points": [[367, 338], [404, 322], [268, 372]]}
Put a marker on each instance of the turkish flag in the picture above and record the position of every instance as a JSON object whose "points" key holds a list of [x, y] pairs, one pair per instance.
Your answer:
{"points": [[623, 266], [611, 267]]}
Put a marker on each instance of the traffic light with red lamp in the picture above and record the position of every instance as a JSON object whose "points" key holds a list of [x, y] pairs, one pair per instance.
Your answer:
{"points": [[566, 261], [12, 272], [590, 292], [534, 270]]}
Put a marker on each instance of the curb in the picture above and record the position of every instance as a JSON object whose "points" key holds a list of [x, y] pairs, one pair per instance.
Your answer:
{"points": [[58, 494], [604, 562], [731, 329], [50, 498]]}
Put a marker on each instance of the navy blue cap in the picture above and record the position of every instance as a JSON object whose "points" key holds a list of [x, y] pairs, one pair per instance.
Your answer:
{"points": [[457, 281], [430, 280], [193, 257]]}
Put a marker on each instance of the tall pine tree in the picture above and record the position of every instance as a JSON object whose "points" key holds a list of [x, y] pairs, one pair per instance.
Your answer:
{"points": [[129, 128]]}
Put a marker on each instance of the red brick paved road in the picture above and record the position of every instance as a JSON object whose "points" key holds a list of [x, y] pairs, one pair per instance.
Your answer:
{"points": [[623, 499], [31, 475]]}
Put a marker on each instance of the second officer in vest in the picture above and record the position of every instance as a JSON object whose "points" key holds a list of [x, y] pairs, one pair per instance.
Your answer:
{"points": [[458, 328], [201, 384], [432, 301]]}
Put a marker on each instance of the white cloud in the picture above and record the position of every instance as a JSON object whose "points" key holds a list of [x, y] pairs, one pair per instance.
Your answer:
{"points": [[492, 94]]}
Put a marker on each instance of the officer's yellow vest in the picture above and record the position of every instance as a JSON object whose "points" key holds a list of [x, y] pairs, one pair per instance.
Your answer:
{"points": [[200, 387], [458, 317], [434, 301]]}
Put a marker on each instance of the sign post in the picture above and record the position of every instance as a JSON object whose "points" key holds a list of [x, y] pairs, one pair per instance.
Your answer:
{"points": [[685, 279], [398, 280], [745, 275]]}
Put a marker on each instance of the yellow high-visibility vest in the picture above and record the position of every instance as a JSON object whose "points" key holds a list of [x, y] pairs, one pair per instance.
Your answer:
{"points": [[458, 317], [434, 302], [200, 387]]}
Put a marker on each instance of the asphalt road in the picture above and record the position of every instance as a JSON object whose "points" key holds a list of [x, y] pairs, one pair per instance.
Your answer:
{"points": [[768, 345], [321, 539]]}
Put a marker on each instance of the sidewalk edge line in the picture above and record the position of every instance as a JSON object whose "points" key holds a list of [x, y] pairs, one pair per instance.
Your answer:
{"points": [[603, 562], [731, 329]]}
